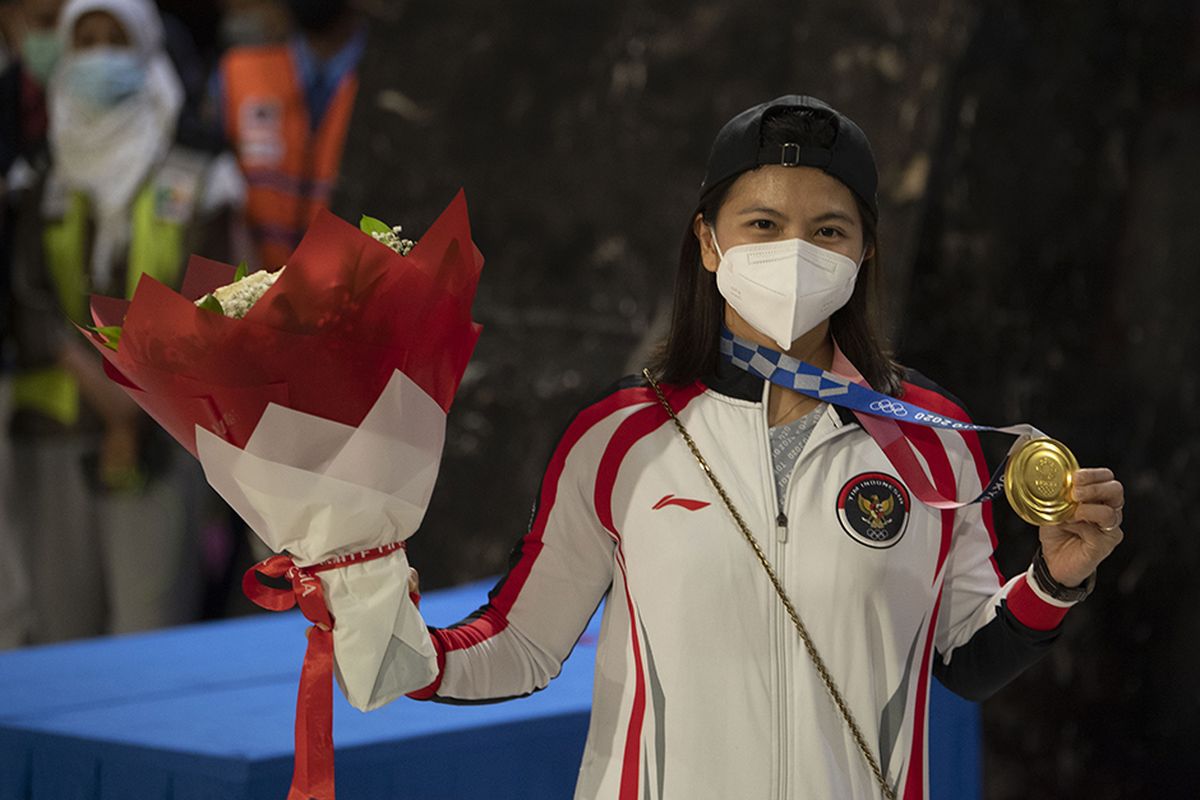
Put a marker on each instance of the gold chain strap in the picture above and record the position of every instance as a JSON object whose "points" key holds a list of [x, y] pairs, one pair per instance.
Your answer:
{"points": [[811, 648]]}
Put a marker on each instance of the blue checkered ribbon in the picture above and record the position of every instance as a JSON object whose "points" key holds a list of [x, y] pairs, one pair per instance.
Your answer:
{"points": [[792, 373]]}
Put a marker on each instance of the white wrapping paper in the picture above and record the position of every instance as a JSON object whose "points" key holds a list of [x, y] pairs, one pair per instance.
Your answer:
{"points": [[319, 489]]}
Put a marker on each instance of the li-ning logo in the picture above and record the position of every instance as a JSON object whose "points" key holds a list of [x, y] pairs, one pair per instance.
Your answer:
{"points": [[873, 509], [683, 502], [889, 407]]}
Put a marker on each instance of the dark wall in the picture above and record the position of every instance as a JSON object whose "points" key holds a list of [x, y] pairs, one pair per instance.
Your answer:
{"points": [[1038, 164], [1055, 283]]}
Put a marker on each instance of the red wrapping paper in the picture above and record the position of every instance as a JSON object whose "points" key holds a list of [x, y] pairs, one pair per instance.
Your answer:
{"points": [[325, 339]]}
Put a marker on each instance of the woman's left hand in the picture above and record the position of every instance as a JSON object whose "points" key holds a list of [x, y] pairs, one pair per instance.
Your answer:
{"points": [[1074, 549]]}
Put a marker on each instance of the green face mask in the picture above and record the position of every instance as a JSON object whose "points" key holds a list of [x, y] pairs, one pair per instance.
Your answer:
{"points": [[39, 53]]}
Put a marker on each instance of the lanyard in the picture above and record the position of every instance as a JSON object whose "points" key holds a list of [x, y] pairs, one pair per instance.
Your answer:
{"points": [[878, 413]]}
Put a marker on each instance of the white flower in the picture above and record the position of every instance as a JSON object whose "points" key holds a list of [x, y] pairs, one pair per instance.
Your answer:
{"points": [[238, 297], [392, 239]]}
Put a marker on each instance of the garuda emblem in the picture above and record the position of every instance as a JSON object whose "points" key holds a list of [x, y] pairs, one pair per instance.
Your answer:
{"points": [[878, 513], [873, 509]]}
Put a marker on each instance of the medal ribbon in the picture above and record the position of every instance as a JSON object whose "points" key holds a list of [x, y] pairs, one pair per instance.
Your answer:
{"points": [[312, 773], [878, 413]]}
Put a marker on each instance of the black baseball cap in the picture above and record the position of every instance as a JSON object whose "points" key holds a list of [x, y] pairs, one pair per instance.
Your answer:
{"points": [[738, 148]]}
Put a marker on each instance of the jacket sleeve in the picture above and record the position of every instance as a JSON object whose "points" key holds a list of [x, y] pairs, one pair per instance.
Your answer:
{"points": [[559, 571], [989, 629]]}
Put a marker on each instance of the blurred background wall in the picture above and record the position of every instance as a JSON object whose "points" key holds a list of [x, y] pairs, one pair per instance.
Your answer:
{"points": [[1039, 165]]}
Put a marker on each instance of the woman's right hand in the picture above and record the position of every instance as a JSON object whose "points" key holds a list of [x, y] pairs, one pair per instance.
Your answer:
{"points": [[414, 584]]}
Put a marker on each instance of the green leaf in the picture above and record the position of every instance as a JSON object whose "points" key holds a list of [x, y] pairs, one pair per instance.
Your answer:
{"points": [[242, 270], [370, 225], [110, 333], [210, 303]]}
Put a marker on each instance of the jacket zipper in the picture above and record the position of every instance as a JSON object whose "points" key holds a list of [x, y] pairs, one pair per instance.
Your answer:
{"points": [[780, 620]]}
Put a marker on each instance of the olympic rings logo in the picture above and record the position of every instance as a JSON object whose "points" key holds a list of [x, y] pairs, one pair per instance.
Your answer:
{"points": [[888, 406]]}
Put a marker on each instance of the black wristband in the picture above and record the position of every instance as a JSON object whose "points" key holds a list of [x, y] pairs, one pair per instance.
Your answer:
{"points": [[1045, 581]]}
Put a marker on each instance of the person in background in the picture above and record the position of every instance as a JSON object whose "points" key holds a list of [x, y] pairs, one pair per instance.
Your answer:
{"points": [[253, 23], [285, 109], [101, 516], [29, 51], [32, 53]]}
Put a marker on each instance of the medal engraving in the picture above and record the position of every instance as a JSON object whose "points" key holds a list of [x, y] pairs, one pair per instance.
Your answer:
{"points": [[1038, 480], [1047, 478]]}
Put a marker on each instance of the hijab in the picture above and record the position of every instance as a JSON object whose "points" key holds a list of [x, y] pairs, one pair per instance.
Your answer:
{"points": [[107, 150]]}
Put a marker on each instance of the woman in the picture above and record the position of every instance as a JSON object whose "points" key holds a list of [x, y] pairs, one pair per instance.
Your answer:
{"points": [[703, 686], [100, 498]]}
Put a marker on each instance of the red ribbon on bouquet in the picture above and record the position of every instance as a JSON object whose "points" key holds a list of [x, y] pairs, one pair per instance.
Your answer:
{"points": [[312, 774]]}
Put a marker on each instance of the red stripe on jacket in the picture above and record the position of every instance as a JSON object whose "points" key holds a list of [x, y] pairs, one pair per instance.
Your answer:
{"points": [[942, 405], [630, 432], [931, 448], [630, 763], [914, 786]]}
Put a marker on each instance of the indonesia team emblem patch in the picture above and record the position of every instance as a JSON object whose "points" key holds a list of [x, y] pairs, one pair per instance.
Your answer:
{"points": [[873, 509]]}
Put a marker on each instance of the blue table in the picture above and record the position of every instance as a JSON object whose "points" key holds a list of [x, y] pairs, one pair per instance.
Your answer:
{"points": [[204, 712]]}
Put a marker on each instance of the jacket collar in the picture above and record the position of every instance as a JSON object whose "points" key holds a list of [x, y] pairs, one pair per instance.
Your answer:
{"points": [[733, 381]]}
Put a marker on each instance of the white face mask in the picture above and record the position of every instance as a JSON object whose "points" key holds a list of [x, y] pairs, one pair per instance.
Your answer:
{"points": [[784, 289], [103, 77]]}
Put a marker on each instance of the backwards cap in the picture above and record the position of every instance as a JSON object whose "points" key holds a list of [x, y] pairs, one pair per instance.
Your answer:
{"points": [[738, 148]]}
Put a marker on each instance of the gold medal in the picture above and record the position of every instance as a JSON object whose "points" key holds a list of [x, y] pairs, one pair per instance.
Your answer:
{"points": [[1038, 481]]}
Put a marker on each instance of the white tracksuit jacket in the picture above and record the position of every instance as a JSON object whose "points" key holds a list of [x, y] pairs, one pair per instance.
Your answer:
{"points": [[702, 686]]}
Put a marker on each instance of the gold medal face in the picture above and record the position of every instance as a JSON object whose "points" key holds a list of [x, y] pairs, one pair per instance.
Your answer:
{"points": [[1038, 482]]}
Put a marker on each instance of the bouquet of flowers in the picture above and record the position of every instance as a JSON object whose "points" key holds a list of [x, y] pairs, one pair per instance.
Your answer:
{"points": [[315, 398]]}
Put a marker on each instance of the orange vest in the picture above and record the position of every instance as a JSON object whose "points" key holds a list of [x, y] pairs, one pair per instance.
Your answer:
{"points": [[290, 169]]}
